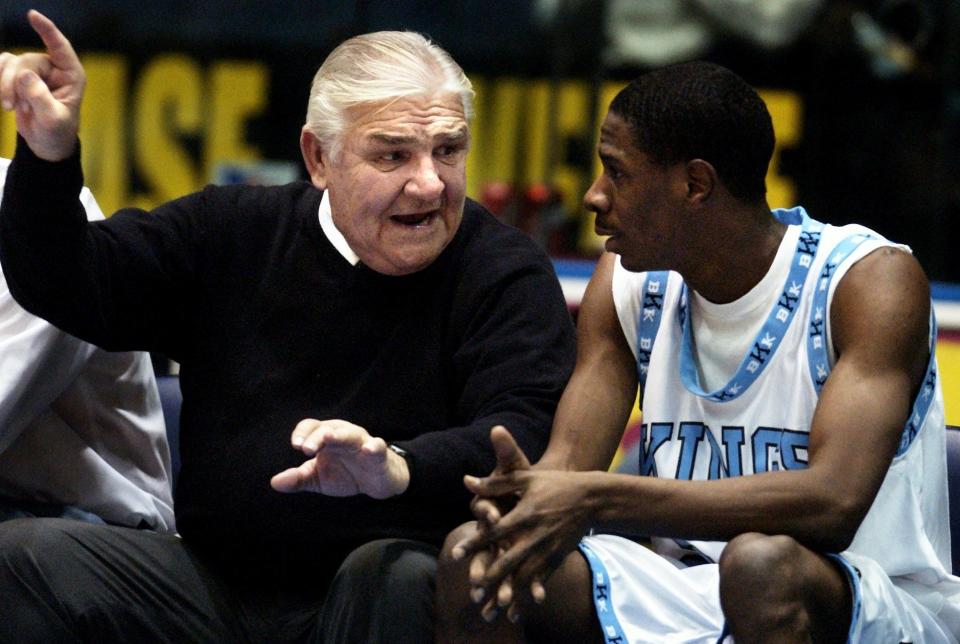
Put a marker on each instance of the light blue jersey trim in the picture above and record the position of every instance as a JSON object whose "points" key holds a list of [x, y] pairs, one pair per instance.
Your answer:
{"points": [[819, 363], [853, 578], [651, 312], [926, 395], [817, 328], [602, 600], [773, 330]]}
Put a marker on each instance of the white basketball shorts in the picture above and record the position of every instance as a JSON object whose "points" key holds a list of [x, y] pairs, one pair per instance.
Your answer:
{"points": [[642, 597]]}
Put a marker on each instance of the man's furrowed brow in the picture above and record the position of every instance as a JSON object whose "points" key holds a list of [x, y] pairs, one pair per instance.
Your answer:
{"points": [[453, 136], [392, 139]]}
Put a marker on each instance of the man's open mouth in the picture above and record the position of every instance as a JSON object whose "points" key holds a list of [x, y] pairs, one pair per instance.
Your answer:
{"points": [[416, 219]]}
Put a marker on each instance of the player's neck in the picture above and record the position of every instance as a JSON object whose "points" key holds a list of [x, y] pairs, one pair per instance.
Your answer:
{"points": [[739, 255]]}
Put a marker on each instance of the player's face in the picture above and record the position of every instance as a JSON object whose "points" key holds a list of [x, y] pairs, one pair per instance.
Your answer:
{"points": [[638, 203], [398, 185]]}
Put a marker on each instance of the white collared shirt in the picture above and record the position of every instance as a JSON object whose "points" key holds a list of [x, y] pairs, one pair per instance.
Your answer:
{"points": [[330, 230]]}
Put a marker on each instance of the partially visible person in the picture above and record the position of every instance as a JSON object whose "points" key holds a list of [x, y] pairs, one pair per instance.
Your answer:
{"points": [[81, 429], [345, 344], [792, 463], [653, 34]]}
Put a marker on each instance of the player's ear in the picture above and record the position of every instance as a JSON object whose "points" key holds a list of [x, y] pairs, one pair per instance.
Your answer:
{"points": [[702, 179]]}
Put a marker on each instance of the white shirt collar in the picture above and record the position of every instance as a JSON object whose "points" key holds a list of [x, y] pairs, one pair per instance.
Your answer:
{"points": [[330, 230]]}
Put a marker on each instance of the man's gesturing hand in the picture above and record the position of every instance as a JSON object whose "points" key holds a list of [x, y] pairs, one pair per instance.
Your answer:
{"points": [[346, 460]]}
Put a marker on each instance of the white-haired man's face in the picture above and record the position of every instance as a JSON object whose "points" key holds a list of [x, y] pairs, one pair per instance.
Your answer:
{"points": [[398, 184]]}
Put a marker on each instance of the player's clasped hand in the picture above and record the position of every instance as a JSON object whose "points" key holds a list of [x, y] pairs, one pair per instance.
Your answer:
{"points": [[519, 549], [344, 460]]}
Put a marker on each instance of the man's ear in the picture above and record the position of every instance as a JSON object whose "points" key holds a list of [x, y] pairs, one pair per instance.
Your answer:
{"points": [[702, 180], [314, 158]]}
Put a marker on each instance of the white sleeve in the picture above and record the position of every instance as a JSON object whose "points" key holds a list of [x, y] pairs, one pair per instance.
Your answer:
{"points": [[627, 293], [37, 360]]}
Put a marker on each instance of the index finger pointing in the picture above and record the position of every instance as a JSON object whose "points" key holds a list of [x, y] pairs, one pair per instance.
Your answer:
{"points": [[59, 49]]}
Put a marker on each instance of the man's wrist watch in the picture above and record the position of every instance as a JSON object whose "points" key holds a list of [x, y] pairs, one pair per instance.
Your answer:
{"points": [[396, 449]]}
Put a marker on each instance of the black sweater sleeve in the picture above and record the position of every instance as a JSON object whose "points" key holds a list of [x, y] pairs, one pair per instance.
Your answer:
{"points": [[108, 282], [41, 224], [516, 352]]}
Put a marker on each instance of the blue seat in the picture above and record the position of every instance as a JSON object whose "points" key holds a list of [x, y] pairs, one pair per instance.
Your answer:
{"points": [[953, 483], [170, 401]]}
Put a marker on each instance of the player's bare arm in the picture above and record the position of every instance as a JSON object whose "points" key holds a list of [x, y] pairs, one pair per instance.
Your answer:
{"points": [[597, 401]]}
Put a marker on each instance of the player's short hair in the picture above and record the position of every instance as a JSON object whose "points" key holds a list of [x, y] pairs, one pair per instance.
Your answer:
{"points": [[700, 110]]}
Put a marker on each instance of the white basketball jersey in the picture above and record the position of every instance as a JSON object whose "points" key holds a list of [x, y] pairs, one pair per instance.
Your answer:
{"points": [[759, 419]]}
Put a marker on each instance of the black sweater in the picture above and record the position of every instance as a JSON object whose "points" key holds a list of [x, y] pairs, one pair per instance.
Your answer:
{"points": [[270, 325]]}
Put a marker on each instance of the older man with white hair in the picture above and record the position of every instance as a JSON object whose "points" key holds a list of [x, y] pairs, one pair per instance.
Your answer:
{"points": [[375, 310]]}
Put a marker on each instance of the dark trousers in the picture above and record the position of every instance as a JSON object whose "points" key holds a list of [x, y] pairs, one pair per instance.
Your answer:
{"points": [[69, 581]]}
